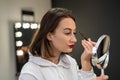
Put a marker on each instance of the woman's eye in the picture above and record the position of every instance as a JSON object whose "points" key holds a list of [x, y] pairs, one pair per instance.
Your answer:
{"points": [[68, 33]]}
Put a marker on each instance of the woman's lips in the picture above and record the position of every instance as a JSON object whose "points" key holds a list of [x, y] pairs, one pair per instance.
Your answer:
{"points": [[71, 46]]}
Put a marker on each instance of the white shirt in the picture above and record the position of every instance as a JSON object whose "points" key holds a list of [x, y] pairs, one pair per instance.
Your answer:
{"points": [[38, 68]]}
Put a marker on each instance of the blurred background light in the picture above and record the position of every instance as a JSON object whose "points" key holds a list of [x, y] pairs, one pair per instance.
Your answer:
{"points": [[34, 26], [17, 25], [26, 25], [18, 34], [23, 33], [20, 53], [19, 43]]}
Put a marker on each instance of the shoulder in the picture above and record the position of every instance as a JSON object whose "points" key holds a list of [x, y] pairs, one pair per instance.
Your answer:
{"points": [[27, 77], [31, 69]]}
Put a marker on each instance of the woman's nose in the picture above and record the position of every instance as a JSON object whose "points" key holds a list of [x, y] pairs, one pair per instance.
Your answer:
{"points": [[73, 38]]}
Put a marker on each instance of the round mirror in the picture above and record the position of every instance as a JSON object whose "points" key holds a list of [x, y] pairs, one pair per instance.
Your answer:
{"points": [[100, 56]]}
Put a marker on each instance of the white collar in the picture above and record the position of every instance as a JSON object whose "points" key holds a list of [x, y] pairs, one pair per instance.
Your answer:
{"points": [[64, 61]]}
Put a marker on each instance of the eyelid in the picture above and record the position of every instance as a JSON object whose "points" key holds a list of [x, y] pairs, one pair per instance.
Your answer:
{"points": [[67, 33], [70, 33]]}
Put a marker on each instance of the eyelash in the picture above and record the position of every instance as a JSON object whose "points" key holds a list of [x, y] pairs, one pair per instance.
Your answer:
{"points": [[70, 33]]}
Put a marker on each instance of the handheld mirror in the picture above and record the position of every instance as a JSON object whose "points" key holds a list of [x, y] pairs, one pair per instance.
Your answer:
{"points": [[100, 57]]}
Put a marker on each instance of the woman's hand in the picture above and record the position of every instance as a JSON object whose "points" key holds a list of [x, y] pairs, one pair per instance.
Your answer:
{"points": [[88, 46], [87, 53], [102, 77]]}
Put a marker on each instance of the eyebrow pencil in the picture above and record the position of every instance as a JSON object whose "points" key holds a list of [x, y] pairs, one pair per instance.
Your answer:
{"points": [[83, 36]]}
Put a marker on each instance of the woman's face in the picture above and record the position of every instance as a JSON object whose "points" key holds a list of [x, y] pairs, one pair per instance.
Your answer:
{"points": [[64, 39]]}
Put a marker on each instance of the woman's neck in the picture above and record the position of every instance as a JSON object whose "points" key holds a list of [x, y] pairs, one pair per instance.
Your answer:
{"points": [[53, 58]]}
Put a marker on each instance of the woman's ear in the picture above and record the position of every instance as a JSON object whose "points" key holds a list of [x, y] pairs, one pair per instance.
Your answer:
{"points": [[49, 36]]}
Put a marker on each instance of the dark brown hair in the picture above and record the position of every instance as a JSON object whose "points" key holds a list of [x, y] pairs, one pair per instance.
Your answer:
{"points": [[40, 44]]}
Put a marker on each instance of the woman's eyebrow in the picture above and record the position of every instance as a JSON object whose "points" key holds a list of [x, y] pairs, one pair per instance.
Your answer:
{"points": [[67, 29]]}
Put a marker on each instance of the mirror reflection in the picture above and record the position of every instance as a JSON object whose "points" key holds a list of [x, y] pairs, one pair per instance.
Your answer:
{"points": [[23, 32]]}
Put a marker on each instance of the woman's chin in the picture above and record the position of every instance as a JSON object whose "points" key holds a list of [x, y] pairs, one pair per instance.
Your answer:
{"points": [[69, 51]]}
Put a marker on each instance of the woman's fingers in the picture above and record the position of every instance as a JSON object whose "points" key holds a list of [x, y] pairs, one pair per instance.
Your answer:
{"points": [[87, 46], [93, 43], [102, 77], [88, 49]]}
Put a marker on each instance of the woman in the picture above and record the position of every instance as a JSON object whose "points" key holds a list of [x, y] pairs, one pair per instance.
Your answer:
{"points": [[50, 48]]}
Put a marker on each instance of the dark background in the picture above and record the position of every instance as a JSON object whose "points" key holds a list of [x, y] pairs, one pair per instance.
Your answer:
{"points": [[94, 18]]}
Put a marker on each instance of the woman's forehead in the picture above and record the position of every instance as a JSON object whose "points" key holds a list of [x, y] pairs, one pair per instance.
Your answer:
{"points": [[67, 23]]}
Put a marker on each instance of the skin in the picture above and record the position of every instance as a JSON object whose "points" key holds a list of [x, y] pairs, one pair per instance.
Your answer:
{"points": [[63, 37]]}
